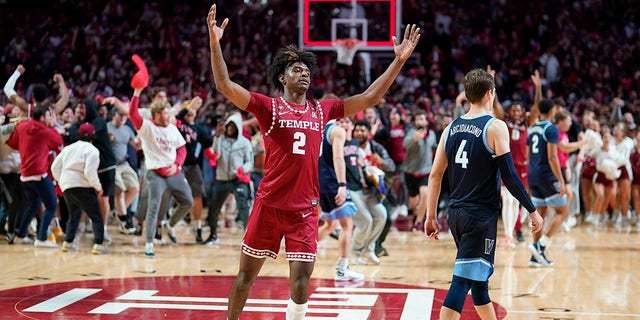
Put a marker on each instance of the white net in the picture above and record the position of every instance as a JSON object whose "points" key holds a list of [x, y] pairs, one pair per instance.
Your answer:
{"points": [[346, 49]]}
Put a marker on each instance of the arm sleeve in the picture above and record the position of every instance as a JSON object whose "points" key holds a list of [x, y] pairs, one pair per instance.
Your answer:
{"points": [[512, 181], [181, 154], [11, 84], [134, 115]]}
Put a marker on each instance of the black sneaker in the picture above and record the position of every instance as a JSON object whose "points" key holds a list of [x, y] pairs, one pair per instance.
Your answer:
{"points": [[519, 236], [213, 238], [158, 237], [171, 232], [138, 230], [545, 261], [198, 235], [537, 252], [123, 224], [533, 262], [381, 252], [335, 234]]}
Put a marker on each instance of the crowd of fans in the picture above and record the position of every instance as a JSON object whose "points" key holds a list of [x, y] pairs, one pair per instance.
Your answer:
{"points": [[587, 52]]}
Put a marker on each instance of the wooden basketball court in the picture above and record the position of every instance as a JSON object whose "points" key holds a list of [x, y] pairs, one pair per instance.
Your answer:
{"points": [[596, 276]]}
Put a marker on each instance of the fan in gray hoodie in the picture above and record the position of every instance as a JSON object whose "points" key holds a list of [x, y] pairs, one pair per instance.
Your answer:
{"points": [[234, 162]]}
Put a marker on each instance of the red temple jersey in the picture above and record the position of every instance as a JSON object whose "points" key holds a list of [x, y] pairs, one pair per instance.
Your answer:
{"points": [[518, 145], [292, 148]]}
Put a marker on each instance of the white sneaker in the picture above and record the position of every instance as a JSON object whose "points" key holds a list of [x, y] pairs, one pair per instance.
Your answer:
{"points": [[346, 274], [18, 240], [148, 249], [572, 221], [99, 249], [371, 257], [46, 244], [66, 247]]}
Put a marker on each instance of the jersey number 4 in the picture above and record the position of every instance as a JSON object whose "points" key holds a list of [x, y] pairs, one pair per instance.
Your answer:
{"points": [[461, 155]]}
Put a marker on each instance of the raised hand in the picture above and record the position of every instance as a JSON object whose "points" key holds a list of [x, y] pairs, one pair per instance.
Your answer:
{"points": [[535, 78], [215, 32], [140, 80], [404, 49], [57, 78], [20, 69], [491, 71]]}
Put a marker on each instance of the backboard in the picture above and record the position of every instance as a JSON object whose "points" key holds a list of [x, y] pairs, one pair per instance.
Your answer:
{"points": [[373, 21]]}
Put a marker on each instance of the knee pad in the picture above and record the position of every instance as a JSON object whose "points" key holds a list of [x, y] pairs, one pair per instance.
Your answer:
{"points": [[480, 292], [457, 294]]}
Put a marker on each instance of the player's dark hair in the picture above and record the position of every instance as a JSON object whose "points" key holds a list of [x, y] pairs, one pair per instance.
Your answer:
{"points": [[40, 92], [476, 84], [545, 106], [285, 58]]}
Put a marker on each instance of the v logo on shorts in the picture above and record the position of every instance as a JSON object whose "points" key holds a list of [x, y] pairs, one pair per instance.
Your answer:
{"points": [[488, 245], [304, 215]]}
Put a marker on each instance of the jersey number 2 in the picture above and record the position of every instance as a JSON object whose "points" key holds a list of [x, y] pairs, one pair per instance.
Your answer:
{"points": [[461, 155], [300, 139], [534, 144]]}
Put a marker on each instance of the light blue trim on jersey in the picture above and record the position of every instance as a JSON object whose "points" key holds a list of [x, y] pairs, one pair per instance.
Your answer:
{"points": [[551, 201], [484, 136], [446, 136], [474, 117], [347, 209], [544, 130], [327, 129], [477, 269]]}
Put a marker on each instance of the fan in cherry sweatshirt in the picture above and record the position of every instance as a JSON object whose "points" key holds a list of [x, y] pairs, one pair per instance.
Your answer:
{"points": [[34, 138], [165, 152]]}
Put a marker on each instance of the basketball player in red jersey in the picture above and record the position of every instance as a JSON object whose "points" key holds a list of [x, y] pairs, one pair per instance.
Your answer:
{"points": [[517, 123], [292, 127]]}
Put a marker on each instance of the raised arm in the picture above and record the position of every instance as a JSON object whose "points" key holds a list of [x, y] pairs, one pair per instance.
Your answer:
{"points": [[377, 89], [134, 115], [10, 92], [64, 94], [497, 109], [238, 95], [535, 111]]}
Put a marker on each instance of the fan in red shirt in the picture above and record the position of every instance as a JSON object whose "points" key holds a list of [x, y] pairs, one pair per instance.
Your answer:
{"points": [[292, 127], [34, 138]]}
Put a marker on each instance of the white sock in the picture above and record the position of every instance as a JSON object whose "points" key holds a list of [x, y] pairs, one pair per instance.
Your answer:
{"points": [[343, 263], [198, 224], [296, 311], [509, 212], [545, 241]]}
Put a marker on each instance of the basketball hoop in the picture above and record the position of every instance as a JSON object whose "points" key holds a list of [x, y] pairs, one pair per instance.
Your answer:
{"points": [[346, 49]]}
